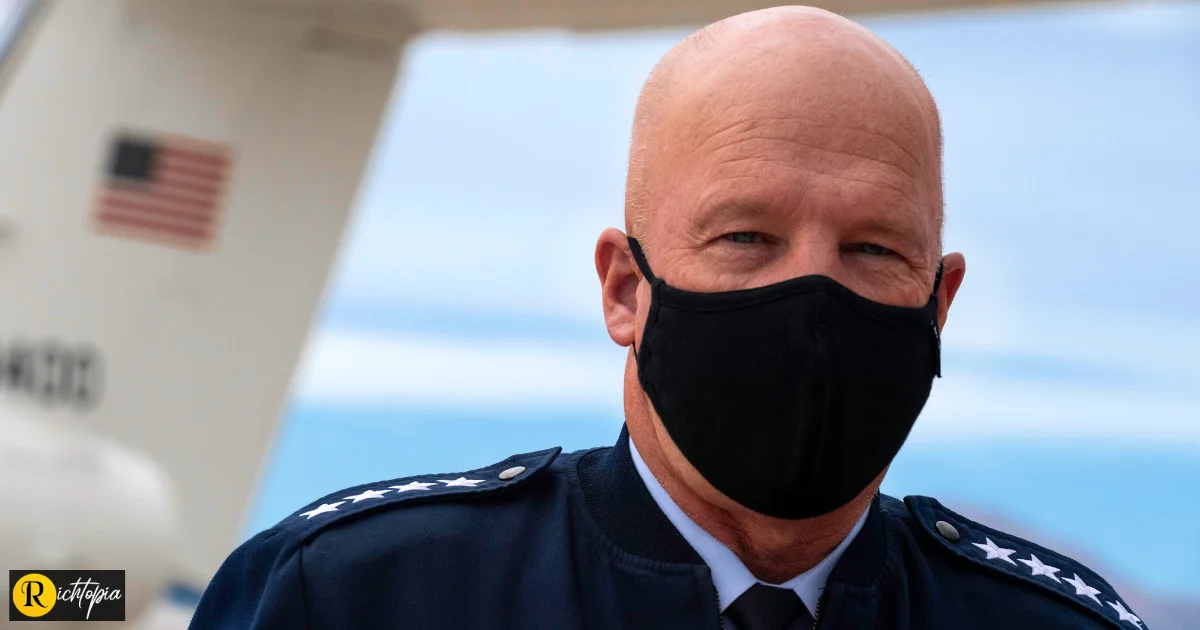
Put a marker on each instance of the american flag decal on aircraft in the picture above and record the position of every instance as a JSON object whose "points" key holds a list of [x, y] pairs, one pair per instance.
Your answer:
{"points": [[166, 189]]}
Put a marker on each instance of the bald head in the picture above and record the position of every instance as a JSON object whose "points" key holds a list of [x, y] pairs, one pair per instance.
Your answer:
{"points": [[827, 86]]}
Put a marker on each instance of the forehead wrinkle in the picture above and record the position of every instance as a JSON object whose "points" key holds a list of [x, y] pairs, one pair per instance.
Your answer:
{"points": [[835, 135], [833, 171]]}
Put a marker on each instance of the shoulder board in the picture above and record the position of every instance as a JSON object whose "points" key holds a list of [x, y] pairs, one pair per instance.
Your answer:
{"points": [[383, 495], [1033, 564]]}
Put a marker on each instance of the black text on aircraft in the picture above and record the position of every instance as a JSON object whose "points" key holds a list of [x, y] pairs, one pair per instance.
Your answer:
{"points": [[53, 373]]}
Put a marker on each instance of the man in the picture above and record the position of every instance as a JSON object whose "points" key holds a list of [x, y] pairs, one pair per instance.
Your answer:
{"points": [[781, 291]]}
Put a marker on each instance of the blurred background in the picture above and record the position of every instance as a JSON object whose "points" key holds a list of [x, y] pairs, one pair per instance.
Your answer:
{"points": [[461, 320]]}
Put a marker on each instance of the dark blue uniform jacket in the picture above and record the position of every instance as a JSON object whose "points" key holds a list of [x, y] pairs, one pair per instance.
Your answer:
{"points": [[574, 541]]}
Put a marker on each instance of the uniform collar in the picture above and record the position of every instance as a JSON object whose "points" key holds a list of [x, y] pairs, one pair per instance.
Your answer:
{"points": [[729, 574], [622, 508]]}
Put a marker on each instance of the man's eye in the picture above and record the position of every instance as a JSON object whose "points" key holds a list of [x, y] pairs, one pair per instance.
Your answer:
{"points": [[743, 237], [871, 249]]}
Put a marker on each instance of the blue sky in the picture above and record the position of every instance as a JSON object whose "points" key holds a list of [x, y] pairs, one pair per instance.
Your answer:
{"points": [[464, 316]]}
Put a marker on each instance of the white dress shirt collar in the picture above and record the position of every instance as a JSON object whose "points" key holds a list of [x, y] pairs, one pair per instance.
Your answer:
{"points": [[729, 575]]}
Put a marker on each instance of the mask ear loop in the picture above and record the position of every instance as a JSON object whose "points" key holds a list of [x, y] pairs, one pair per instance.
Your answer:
{"points": [[639, 257], [933, 324], [643, 265]]}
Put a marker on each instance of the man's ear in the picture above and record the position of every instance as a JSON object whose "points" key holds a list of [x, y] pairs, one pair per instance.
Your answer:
{"points": [[954, 268], [619, 280]]}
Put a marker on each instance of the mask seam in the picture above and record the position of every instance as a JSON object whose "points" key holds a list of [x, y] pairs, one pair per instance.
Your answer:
{"points": [[929, 310]]}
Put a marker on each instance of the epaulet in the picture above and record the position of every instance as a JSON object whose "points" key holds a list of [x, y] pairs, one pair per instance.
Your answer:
{"points": [[1032, 564], [504, 476]]}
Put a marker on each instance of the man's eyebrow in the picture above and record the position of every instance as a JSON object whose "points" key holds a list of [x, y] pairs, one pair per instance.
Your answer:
{"points": [[710, 216], [905, 226]]}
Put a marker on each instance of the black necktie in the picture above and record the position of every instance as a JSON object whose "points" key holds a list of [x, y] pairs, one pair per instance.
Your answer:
{"points": [[768, 608]]}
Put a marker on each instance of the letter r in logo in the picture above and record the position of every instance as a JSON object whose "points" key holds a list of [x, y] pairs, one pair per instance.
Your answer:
{"points": [[33, 591]]}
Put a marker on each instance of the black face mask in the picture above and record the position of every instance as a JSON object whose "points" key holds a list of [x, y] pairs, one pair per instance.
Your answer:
{"points": [[790, 398]]}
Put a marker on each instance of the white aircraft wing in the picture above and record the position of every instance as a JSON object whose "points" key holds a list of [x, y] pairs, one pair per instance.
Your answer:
{"points": [[583, 15]]}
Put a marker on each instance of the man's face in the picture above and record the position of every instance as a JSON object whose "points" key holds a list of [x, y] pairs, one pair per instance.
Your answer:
{"points": [[760, 168]]}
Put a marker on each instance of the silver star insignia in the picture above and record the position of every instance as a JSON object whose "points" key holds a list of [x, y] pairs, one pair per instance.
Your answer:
{"points": [[416, 485], [325, 507], [994, 551], [462, 481], [1125, 614], [367, 494], [1082, 588], [1041, 569]]}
